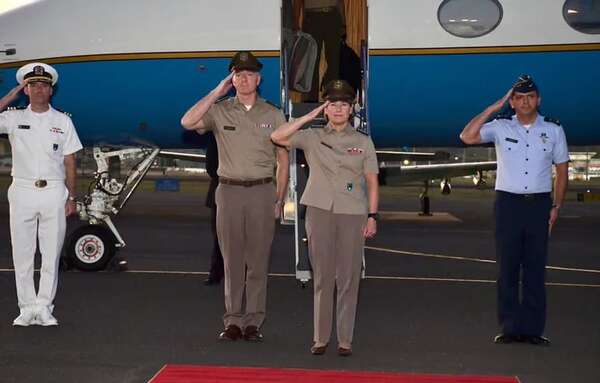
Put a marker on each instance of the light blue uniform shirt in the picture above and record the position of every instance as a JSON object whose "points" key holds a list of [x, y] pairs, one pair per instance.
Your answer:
{"points": [[525, 155]]}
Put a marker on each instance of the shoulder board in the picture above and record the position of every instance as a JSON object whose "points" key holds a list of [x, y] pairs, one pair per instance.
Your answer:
{"points": [[270, 103], [63, 112], [552, 120], [504, 116], [222, 99], [16, 108]]}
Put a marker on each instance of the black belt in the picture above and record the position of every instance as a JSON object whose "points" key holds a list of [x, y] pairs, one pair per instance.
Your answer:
{"points": [[320, 9], [529, 196], [245, 183]]}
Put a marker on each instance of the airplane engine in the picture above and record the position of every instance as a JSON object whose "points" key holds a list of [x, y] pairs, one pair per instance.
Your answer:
{"points": [[445, 186]]}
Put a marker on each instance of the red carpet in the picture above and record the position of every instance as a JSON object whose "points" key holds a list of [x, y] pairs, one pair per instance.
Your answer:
{"points": [[213, 374]]}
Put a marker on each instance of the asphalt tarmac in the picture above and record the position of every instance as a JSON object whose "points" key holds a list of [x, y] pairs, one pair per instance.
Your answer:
{"points": [[426, 306]]}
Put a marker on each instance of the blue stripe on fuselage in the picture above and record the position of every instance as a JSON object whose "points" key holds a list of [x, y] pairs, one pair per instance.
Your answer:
{"points": [[140, 101], [426, 100]]}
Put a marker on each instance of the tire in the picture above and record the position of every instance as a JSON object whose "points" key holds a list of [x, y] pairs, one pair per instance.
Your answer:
{"points": [[90, 247]]}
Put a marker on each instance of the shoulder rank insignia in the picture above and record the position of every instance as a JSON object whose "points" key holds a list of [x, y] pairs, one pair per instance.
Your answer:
{"points": [[63, 112], [226, 97], [270, 103], [16, 108], [552, 120]]}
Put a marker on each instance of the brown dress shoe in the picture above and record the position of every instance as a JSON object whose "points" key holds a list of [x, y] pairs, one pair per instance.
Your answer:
{"points": [[342, 351], [253, 334], [232, 332], [318, 350]]}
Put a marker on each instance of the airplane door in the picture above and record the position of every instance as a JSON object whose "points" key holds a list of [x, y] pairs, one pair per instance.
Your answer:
{"points": [[304, 58]]}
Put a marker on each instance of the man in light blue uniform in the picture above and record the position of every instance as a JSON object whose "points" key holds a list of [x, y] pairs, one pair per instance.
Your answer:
{"points": [[527, 144]]}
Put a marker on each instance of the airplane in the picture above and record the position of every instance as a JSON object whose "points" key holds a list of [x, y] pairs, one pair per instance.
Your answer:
{"points": [[130, 69]]}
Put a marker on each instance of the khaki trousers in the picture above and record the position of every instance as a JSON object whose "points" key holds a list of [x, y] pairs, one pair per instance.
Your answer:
{"points": [[245, 228], [336, 244]]}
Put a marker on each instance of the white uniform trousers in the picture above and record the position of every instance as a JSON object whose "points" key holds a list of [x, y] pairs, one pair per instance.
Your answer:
{"points": [[38, 211]]}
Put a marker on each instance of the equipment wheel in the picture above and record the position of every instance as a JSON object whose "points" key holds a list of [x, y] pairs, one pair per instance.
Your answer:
{"points": [[91, 247]]}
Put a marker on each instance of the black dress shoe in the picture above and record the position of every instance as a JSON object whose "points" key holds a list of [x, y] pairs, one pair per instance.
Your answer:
{"points": [[252, 334], [537, 340], [318, 350], [507, 338], [343, 351], [231, 333], [211, 280]]}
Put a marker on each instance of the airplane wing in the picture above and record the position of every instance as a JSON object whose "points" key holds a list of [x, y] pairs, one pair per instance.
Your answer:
{"points": [[394, 156], [437, 171], [182, 156]]}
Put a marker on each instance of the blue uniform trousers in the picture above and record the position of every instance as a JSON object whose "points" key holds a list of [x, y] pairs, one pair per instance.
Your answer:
{"points": [[521, 253]]}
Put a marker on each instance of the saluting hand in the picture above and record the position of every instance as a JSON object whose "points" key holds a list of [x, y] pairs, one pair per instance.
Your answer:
{"points": [[12, 95], [497, 106], [316, 111], [370, 229], [224, 86]]}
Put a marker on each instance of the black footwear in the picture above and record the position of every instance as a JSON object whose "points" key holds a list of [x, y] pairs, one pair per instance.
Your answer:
{"points": [[343, 351], [231, 332], [507, 338], [252, 334], [318, 350], [210, 281], [537, 340]]}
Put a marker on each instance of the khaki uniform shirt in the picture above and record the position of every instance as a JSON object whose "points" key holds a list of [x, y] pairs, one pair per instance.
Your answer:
{"points": [[338, 163], [246, 151]]}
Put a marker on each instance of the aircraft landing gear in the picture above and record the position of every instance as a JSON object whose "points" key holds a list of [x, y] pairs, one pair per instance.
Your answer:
{"points": [[424, 200], [92, 246]]}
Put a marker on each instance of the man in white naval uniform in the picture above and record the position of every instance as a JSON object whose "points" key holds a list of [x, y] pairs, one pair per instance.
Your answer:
{"points": [[43, 142]]}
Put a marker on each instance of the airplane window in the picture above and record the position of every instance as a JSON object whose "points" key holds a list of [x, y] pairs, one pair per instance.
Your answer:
{"points": [[583, 15], [469, 18]]}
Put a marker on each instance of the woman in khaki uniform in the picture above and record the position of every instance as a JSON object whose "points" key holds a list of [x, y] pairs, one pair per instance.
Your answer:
{"points": [[341, 196]]}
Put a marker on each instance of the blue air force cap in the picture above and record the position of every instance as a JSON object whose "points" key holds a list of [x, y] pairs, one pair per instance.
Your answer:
{"points": [[525, 84]]}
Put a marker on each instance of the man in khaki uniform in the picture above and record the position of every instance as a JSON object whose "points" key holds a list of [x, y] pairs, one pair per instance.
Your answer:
{"points": [[341, 196], [247, 200]]}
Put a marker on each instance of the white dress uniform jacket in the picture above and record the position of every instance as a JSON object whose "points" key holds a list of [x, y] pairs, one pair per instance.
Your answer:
{"points": [[39, 142]]}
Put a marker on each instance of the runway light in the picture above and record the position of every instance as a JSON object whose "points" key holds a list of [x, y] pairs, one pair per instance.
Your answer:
{"points": [[406, 162]]}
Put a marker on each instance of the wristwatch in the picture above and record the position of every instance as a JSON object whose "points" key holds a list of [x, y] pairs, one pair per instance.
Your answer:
{"points": [[375, 216]]}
